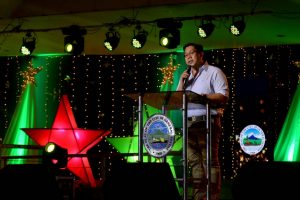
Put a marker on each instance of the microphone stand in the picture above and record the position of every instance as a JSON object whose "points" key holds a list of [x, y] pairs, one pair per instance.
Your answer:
{"points": [[184, 145], [185, 136], [208, 150]]}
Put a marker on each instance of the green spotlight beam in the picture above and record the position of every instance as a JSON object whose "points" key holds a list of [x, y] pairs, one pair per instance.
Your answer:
{"points": [[288, 144], [23, 117]]}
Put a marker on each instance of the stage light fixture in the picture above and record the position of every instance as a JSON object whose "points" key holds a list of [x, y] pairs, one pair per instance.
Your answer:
{"points": [[55, 156], [169, 38], [238, 25], [74, 40], [28, 44], [139, 38], [169, 34], [205, 29], [74, 44], [112, 39]]}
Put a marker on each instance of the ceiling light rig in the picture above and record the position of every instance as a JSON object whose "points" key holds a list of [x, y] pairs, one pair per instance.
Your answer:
{"points": [[112, 39], [74, 40], [206, 28], [28, 44], [139, 39], [238, 25], [169, 31]]}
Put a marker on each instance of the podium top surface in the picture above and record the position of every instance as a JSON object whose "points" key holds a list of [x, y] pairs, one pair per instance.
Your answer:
{"points": [[169, 99]]}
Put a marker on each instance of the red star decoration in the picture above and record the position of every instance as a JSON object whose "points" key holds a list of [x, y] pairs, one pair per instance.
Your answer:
{"points": [[64, 132]]}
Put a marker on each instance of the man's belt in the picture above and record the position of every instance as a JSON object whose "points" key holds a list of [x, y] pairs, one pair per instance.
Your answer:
{"points": [[199, 118]]}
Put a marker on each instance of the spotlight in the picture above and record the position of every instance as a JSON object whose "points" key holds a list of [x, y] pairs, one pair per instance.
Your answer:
{"points": [[112, 39], [74, 41], [55, 155], [169, 38], [169, 35], [139, 39], [74, 44], [238, 26], [28, 44], [206, 29]]}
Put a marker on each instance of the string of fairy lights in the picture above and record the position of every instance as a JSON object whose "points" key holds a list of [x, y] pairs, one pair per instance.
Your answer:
{"points": [[233, 116], [276, 103], [46, 110], [100, 113], [86, 96], [5, 98], [99, 109]]}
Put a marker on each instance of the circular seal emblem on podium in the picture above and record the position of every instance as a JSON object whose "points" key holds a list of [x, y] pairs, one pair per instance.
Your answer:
{"points": [[252, 139], [158, 135]]}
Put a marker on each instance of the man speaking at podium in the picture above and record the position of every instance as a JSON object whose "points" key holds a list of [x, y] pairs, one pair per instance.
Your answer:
{"points": [[210, 81]]}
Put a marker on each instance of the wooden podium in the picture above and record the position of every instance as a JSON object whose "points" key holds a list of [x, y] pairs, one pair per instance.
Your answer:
{"points": [[175, 100]]}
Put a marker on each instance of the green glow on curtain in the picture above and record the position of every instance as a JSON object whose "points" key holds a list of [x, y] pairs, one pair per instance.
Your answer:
{"points": [[287, 147], [23, 117], [40, 78], [178, 59], [129, 145]]}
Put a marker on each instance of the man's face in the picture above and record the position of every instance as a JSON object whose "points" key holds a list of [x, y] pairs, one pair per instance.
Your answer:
{"points": [[192, 57]]}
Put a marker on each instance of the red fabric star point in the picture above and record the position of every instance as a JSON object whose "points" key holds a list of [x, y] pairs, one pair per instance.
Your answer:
{"points": [[64, 132]]}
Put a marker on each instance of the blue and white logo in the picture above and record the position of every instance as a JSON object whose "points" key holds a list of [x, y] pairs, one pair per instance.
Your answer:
{"points": [[252, 139], [158, 135]]}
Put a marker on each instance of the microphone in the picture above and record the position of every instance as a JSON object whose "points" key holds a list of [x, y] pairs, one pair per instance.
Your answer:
{"points": [[185, 81]]}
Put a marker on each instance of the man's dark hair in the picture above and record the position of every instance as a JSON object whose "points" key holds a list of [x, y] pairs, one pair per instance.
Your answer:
{"points": [[198, 47]]}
